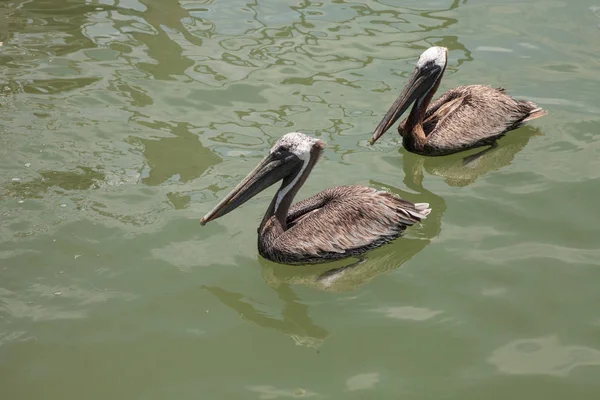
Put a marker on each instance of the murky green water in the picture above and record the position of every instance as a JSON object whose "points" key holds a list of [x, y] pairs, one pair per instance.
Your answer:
{"points": [[123, 122]]}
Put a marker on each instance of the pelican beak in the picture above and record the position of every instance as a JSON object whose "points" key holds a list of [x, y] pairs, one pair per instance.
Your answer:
{"points": [[270, 170], [419, 84]]}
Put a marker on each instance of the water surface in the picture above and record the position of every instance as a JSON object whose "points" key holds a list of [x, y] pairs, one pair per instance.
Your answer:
{"points": [[123, 122]]}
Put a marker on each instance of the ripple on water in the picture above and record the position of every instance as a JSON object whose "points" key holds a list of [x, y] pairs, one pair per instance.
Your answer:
{"points": [[542, 356], [140, 115], [409, 313]]}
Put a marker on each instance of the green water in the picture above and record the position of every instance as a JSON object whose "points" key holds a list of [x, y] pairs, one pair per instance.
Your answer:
{"points": [[122, 122]]}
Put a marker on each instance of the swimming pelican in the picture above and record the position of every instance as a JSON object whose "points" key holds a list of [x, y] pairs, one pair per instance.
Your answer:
{"points": [[336, 223], [462, 118]]}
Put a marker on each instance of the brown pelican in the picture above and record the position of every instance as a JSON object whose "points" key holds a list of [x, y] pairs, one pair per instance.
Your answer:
{"points": [[462, 118], [339, 222]]}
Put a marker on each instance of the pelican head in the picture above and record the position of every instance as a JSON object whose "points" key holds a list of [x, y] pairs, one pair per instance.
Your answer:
{"points": [[287, 160], [427, 73]]}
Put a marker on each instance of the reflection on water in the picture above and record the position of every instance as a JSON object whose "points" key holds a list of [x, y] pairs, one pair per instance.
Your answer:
{"points": [[164, 16], [343, 278], [4, 29], [123, 122], [55, 86], [458, 170], [182, 157], [295, 321], [84, 179]]}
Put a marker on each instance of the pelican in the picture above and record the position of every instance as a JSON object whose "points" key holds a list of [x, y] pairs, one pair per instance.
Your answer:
{"points": [[463, 118], [336, 223]]}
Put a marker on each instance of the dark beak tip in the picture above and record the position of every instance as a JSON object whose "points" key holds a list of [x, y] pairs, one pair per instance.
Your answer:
{"points": [[203, 221]]}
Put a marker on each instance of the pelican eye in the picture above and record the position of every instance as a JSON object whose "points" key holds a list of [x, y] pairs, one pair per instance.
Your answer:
{"points": [[280, 152], [430, 66], [277, 153]]}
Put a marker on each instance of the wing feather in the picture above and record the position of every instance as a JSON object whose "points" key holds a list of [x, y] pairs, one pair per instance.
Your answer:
{"points": [[483, 114], [345, 220]]}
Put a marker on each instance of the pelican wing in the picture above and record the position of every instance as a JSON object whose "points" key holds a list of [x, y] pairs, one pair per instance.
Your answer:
{"points": [[345, 220], [446, 98], [473, 115], [442, 112], [306, 207]]}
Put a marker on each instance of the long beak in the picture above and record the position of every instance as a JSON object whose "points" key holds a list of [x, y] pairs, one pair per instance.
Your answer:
{"points": [[419, 84], [266, 173]]}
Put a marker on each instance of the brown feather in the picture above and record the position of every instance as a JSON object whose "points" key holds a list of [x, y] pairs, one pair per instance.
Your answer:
{"points": [[337, 223], [467, 117]]}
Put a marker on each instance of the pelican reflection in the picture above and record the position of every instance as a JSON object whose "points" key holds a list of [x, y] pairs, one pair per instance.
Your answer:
{"points": [[459, 171], [295, 320]]}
